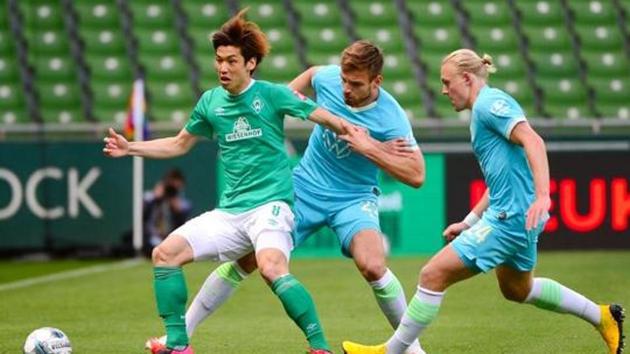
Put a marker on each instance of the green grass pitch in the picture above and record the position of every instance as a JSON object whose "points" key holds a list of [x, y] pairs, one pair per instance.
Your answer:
{"points": [[114, 312]]}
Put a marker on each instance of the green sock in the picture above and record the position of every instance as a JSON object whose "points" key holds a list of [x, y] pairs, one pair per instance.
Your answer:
{"points": [[171, 295], [299, 306]]}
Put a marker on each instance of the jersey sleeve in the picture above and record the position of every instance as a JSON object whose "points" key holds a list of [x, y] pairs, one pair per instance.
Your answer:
{"points": [[198, 123], [401, 128], [291, 102], [502, 114]]}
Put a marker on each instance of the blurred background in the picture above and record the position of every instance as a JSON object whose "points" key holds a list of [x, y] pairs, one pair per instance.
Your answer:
{"points": [[67, 70]]}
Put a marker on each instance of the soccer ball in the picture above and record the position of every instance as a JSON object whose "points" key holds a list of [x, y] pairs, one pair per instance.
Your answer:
{"points": [[47, 340]]}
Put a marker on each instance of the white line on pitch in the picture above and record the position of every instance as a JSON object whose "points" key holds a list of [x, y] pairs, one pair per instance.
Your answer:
{"points": [[70, 274]]}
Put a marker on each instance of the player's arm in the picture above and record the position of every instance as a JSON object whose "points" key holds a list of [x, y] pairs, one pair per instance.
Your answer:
{"points": [[117, 146], [407, 168], [303, 81], [330, 121], [536, 152], [453, 230]]}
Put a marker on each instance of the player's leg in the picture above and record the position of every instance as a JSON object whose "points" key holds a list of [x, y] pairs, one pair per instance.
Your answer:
{"points": [[217, 289], [270, 231], [547, 294], [170, 287]]}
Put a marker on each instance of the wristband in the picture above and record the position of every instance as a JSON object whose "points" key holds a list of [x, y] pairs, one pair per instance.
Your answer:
{"points": [[471, 219]]}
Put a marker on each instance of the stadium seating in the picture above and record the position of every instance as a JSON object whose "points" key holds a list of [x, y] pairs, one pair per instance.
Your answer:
{"points": [[570, 59]]}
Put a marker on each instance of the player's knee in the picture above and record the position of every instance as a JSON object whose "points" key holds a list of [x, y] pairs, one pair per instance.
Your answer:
{"points": [[431, 277], [163, 256], [514, 293], [372, 269], [271, 268]]}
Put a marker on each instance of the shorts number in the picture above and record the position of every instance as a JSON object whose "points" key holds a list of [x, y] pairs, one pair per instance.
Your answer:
{"points": [[275, 210]]}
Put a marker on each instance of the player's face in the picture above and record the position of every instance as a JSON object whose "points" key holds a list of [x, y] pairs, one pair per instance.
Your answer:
{"points": [[233, 71], [358, 89], [456, 86]]}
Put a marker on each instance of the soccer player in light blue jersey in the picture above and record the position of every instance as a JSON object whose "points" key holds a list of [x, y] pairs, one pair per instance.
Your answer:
{"points": [[336, 180], [501, 231]]}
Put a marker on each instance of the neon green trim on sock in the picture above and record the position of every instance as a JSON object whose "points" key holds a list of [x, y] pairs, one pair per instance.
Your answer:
{"points": [[422, 312], [390, 291], [228, 272], [284, 283], [550, 296]]}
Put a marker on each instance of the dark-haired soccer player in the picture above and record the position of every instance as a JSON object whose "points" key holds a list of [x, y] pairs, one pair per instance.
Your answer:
{"points": [[254, 213]]}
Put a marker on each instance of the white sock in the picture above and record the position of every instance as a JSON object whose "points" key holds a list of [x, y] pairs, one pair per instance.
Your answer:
{"points": [[390, 297], [423, 308], [553, 296], [217, 288]]}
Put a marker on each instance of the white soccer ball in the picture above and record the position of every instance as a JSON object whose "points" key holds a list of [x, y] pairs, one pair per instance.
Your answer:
{"points": [[47, 340]]}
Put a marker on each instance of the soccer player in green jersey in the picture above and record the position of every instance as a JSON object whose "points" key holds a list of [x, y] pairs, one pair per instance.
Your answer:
{"points": [[254, 212]]}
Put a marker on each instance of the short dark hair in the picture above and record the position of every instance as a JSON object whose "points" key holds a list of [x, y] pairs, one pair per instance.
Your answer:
{"points": [[363, 55], [246, 35]]}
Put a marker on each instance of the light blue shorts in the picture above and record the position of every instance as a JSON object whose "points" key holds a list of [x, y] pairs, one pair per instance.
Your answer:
{"points": [[345, 214], [492, 242]]}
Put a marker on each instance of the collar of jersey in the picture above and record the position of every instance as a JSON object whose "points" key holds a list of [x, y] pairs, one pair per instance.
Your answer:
{"points": [[251, 83], [363, 108]]}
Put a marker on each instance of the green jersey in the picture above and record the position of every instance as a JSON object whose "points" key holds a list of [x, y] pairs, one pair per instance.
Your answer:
{"points": [[250, 131]]}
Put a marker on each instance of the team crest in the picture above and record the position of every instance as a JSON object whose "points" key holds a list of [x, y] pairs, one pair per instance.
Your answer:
{"points": [[257, 105], [500, 108], [242, 130]]}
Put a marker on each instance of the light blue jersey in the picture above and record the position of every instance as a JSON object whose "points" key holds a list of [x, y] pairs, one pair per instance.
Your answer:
{"points": [[500, 238], [328, 165], [503, 164], [335, 186]]}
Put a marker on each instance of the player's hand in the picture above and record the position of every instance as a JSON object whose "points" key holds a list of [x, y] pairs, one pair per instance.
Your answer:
{"points": [[453, 230], [115, 145], [537, 211], [358, 139], [399, 147]]}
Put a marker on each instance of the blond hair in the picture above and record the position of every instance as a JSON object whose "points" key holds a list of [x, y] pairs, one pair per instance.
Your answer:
{"points": [[469, 61]]}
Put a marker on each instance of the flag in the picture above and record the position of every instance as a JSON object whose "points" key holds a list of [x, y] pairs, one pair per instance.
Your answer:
{"points": [[135, 114]]}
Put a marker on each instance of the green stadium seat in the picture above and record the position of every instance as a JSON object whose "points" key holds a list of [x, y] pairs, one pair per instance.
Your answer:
{"points": [[266, 13], [555, 65], [280, 39], [487, 12], [104, 41], [171, 114], [14, 115], [606, 64], [323, 58], [108, 68], [416, 112], [118, 116], [611, 92], [374, 13], [9, 71], [563, 90], [569, 111], [113, 96], [595, 12], [550, 38], [48, 42], [167, 67], [442, 40], [171, 94], [98, 15], [326, 39], [397, 66], [431, 13], [602, 38], [518, 88], [205, 14], [11, 96], [55, 69], [432, 64], [41, 14], [406, 91], [493, 39], [279, 67], [6, 43], [62, 115], [318, 13], [540, 13], [390, 39], [154, 14], [510, 65], [202, 39], [58, 95], [157, 42], [614, 111], [444, 109]]}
